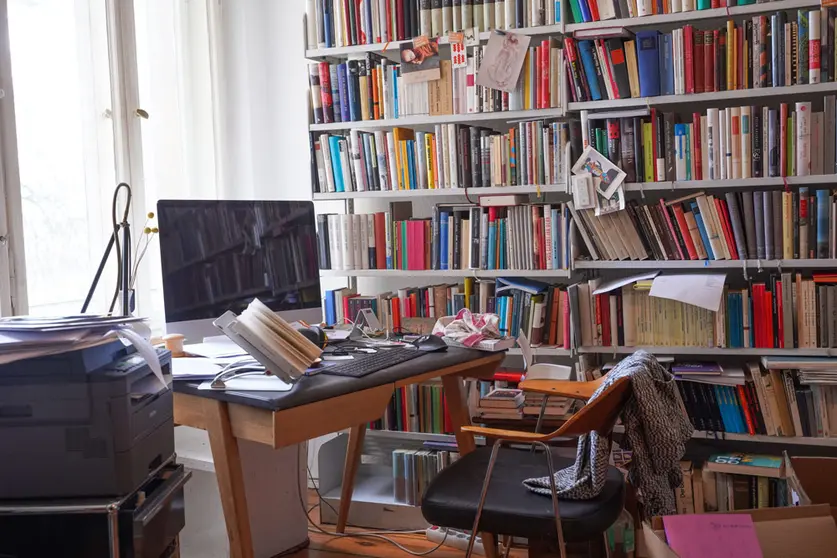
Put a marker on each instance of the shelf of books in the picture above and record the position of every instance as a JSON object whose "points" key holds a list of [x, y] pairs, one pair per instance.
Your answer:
{"points": [[826, 263], [443, 192]]}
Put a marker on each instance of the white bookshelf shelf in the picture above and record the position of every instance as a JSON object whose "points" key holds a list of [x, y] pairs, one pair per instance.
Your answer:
{"points": [[483, 118], [763, 182], [710, 351], [442, 192], [758, 438], [709, 264], [745, 95], [433, 273], [692, 16], [542, 351]]}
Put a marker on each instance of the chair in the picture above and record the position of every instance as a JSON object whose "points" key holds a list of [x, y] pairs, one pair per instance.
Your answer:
{"points": [[483, 490]]}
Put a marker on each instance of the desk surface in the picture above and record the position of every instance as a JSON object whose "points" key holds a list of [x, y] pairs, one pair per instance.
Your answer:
{"points": [[310, 389]]}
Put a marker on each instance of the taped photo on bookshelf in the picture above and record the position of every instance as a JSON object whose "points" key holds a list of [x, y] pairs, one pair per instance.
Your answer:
{"points": [[420, 60], [504, 56], [601, 167], [605, 205]]}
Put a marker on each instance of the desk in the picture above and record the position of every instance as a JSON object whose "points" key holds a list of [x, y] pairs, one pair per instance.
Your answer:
{"points": [[317, 405]]}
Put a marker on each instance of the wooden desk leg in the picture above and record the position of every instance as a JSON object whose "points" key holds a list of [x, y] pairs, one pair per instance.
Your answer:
{"points": [[460, 416], [230, 477], [353, 453]]}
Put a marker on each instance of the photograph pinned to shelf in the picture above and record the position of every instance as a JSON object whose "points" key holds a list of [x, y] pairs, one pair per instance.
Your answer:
{"points": [[604, 204], [504, 56], [601, 167], [420, 60]]}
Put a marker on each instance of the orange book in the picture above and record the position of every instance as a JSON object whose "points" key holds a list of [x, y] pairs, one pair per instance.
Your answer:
{"points": [[395, 312], [434, 163], [376, 98], [400, 136]]}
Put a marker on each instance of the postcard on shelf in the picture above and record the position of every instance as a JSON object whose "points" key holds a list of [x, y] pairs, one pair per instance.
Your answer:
{"points": [[504, 55], [600, 167], [420, 60], [605, 205], [583, 191]]}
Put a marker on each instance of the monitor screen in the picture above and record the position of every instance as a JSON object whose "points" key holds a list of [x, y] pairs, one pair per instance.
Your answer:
{"points": [[219, 255]]}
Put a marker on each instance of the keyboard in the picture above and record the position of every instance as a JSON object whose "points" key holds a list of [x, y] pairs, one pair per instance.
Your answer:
{"points": [[367, 364]]}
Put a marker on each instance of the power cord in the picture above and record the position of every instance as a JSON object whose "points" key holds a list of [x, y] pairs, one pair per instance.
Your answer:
{"points": [[362, 534]]}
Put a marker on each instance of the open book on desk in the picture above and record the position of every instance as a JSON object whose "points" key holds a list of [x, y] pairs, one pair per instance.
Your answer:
{"points": [[269, 339]]}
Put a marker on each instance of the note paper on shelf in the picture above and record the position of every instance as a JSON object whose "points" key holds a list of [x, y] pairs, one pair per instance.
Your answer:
{"points": [[697, 289]]}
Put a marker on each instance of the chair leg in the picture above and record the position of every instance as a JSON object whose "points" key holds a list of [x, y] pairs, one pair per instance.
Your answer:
{"points": [[495, 449], [562, 547]]}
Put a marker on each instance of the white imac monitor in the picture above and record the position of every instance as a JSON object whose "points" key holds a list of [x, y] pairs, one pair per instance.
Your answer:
{"points": [[219, 255]]}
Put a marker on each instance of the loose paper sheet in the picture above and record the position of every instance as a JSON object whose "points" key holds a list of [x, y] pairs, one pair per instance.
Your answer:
{"points": [[712, 536], [194, 368], [700, 290], [504, 55], [256, 382], [622, 281]]}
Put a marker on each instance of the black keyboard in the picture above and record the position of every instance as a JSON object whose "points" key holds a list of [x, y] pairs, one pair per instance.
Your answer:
{"points": [[367, 364]]}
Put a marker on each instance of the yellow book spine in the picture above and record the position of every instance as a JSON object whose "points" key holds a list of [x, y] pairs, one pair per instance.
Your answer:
{"points": [[787, 226], [731, 48], [648, 150], [469, 291], [404, 183], [526, 82], [428, 147]]}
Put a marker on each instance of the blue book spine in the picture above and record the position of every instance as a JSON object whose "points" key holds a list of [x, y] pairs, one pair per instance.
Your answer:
{"points": [[703, 236], [367, 17], [777, 21], [737, 321], [331, 315], [567, 225], [343, 92], [501, 225], [325, 10], [443, 239], [336, 167], [585, 49], [823, 206], [735, 410], [492, 244], [556, 240], [666, 64], [411, 162], [353, 93], [557, 11], [648, 60], [501, 310], [586, 14], [724, 408], [335, 92], [394, 82]]}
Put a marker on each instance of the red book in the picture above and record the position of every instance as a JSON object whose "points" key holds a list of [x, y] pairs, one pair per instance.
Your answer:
{"points": [[554, 315], [608, 68], [415, 245], [325, 93], [536, 52], [544, 67], [399, 20], [709, 61], [542, 238], [670, 225], [680, 217], [513, 377], [758, 317], [696, 147], [565, 300], [347, 317], [716, 4], [390, 31], [604, 303], [413, 310], [783, 134], [721, 206], [395, 312], [780, 315], [654, 142], [745, 408], [689, 53], [699, 64], [720, 67], [362, 38], [768, 318], [594, 10], [380, 241]]}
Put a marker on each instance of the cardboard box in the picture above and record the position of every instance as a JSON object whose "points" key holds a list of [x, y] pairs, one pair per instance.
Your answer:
{"points": [[813, 480], [796, 532]]}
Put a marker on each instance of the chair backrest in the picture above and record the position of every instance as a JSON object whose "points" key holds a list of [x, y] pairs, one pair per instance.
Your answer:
{"points": [[600, 414]]}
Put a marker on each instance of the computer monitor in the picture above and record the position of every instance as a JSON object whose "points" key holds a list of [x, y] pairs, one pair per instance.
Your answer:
{"points": [[219, 255]]}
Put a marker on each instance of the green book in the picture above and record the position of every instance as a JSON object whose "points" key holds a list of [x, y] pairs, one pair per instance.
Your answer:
{"points": [[576, 11], [704, 4]]}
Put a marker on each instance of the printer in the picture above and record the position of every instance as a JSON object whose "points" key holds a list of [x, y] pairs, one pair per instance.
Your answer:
{"points": [[85, 423]]}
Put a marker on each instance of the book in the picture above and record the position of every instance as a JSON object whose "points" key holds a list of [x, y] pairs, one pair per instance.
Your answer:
{"points": [[746, 464]]}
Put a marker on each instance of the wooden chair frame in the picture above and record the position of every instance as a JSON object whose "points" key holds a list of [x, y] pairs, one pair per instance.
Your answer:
{"points": [[599, 416]]}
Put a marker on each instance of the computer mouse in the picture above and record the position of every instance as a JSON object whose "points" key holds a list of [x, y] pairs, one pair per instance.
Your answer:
{"points": [[430, 343]]}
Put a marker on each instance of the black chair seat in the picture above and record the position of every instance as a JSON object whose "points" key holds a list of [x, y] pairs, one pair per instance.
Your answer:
{"points": [[510, 508]]}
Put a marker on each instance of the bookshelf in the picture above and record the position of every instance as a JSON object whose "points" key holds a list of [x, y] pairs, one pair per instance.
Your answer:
{"points": [[375, 490]]}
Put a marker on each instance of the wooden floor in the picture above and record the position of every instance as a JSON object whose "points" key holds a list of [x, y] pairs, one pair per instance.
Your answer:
{"points": [[326, 546]]}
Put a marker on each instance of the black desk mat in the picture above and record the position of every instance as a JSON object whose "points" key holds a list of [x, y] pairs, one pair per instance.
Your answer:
{"points": [[310, 389]]}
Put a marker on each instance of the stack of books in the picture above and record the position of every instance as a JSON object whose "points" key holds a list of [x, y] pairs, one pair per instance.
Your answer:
{"points": [[337, 23], [416, 408], [453, 156], [412, 471], [747, 225], [732, 481], [779, 50], [464, 236], [501, 404], [784, 311], [557, 408]]}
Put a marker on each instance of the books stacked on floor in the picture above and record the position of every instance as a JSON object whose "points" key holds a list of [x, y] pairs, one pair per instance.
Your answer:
{"points": [[339, 23], [416, 408], [504, 378], [725, 144], [783, 311], [500, 404], [747, 225], [370, 87], [557, 408], [583, 11], [782, 49], [535, 237], [412, 471], [453, 156], [732, 481]]}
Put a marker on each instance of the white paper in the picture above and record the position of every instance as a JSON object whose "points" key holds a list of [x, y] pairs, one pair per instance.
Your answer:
{"points": [[525, 349], [197, 368], [700, 290], [546, 371], [214, 349], [145, 349], [622, 281], [504, 55], [255, 382]]}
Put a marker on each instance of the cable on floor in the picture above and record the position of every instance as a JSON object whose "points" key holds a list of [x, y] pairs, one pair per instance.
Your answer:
{"points": [[362, 534]]}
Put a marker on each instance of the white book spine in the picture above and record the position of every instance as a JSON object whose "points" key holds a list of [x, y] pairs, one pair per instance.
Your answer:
{"points": [[382, 21], [467, 15], [381, 154], [388, 237], [357, 240], [803, 138], [735, 144], [509, 16], [361, 219], [746, 142], [477, 16], [456, 18], [347, 228], [337, 16], [311, 36], [680, 152], [319, 162], [688, 5], [500, 13], [393, 178], [325, 147], [676, 6], [431, 19], [484, 240], [375, 36], [420, 156], [452, 158], [704, 122], [471, 87], [644, 8], [447, 17], [814, 46], [370, 239], [346, 166], [439, 135], [488, 17], [606, 10], [445, 163], [335, 242], [585, 129]]}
